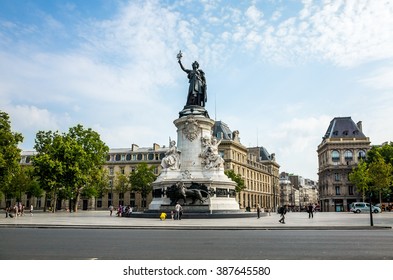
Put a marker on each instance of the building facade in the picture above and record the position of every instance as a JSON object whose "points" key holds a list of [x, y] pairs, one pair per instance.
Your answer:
{"points": [[343, 146], [258, 168], [298, 192]]}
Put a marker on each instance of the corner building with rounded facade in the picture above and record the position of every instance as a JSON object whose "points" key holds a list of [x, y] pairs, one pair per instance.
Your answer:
{"points": [[343, 146]]}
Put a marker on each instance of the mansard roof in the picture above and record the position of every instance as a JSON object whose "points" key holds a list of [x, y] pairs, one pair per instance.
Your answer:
{"points": [[344, 127], [222, 131], [261, 153], [264, 154]]}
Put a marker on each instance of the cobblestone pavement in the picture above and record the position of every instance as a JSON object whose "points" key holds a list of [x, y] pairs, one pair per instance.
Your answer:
{"points": [[101, 219]]}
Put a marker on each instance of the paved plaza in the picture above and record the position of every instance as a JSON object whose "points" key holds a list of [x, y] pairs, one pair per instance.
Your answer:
{"points": [[295, 220]]}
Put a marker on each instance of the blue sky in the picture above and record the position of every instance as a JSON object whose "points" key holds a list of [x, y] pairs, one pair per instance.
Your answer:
{"points": [[277, 71]]}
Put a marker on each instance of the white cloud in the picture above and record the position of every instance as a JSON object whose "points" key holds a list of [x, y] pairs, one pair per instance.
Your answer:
{"points": [[32, 118], [380, 79], [294, 142], [120, 75], [254, 16]]}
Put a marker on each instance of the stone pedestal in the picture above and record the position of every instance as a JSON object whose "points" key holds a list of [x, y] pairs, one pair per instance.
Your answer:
{"points": [[199, 164]]}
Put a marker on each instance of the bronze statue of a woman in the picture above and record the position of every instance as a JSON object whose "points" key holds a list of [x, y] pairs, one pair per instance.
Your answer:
{"points": [[197, 89]]}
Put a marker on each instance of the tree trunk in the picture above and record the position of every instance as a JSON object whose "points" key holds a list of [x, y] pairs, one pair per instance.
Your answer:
{"points": [[45, 199], [380, 199], [54, 201], [77, 198]]}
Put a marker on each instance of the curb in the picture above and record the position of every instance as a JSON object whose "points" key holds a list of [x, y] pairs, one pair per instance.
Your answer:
{"points": [[193, 227]]}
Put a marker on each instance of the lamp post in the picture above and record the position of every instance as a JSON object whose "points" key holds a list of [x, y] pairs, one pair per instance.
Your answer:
{"points": [[371, 211]]}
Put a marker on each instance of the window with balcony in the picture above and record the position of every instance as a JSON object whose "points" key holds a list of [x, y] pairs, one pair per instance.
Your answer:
{"points": [[335, 156], [348, 155], [361, 155]]}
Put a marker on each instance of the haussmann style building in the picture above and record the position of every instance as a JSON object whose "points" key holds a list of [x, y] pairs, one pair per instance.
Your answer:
{"points": [[258, 168], [343, 146]]}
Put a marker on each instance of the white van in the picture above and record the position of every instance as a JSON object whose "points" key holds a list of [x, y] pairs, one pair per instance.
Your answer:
{"points": [[363, 207]]}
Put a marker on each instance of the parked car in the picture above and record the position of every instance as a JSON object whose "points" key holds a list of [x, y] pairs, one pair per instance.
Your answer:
{"points": [[363, 207]]}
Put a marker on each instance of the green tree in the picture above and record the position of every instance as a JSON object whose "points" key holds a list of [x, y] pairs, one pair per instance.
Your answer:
{"points": [[122, 183], [141, 180], [48, 166], [9, 153], [69, 162], [386, 151], [100, 183], [237, 178], [21, 182], [381, 177], [86, 155], [35, 190], [360, 178]]}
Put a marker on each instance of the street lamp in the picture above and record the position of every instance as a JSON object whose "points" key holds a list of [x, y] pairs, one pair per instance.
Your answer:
{"points": [[371, 211]]}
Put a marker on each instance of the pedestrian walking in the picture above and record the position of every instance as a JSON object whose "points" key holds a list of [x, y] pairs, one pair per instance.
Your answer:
{"points": [[180, 212], [110, 210], [31, 209], [119, 211], [258, 211], [282, 211], [310, 210]]}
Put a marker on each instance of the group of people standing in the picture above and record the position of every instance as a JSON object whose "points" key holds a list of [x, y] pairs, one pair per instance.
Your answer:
{"points": [[17, 210], [175, 215], [122, 211]]}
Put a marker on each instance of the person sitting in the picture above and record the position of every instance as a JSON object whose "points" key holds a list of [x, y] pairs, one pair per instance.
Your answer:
{"points": [[163, 216]]}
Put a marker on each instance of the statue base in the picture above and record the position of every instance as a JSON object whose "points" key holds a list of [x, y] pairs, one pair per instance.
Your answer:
{"points": [[205, 186]]}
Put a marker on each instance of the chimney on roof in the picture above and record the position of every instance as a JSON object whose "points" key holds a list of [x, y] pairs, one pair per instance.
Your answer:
{"points": [[134, 147], [155, 146], [359, 125]]}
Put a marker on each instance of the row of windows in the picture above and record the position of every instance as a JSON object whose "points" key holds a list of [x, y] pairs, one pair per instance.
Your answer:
{"points": [[132, 169], [348, 155], [119, 157], [338, 190], [135, 157], [337, 156]]}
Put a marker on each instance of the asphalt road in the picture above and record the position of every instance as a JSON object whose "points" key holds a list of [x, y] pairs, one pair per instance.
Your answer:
{"points": [[157, 244]]}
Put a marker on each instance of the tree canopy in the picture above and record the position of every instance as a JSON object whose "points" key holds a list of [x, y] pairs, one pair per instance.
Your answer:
{"points": [[9, 152], [237, 178], [141, 179], [69, 162], [375, 175]]}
